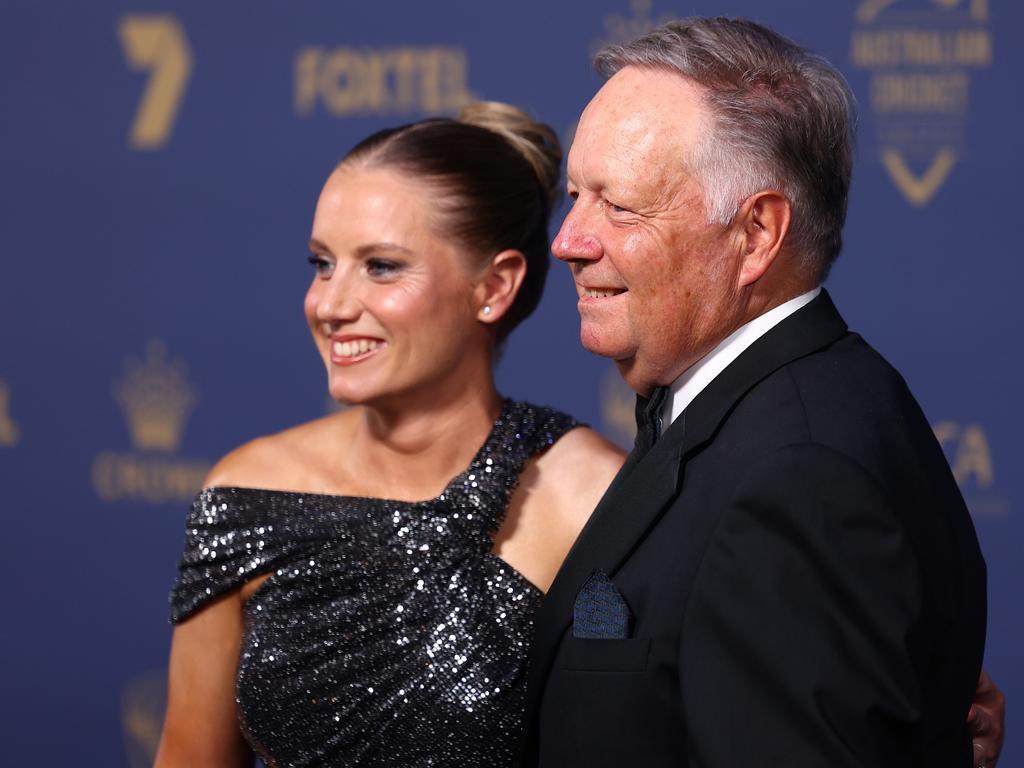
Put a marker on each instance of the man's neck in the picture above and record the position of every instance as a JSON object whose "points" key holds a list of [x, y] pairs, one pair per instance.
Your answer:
{"points": [[695, 378]]}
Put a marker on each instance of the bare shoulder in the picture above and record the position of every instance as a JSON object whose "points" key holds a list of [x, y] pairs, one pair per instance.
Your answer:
{"points": [[287, 460], [571, 477], [557, 492], [582, 457]]}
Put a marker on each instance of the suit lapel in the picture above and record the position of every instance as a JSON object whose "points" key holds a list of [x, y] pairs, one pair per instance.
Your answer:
{"points": [[620, 520], [645, 488]]}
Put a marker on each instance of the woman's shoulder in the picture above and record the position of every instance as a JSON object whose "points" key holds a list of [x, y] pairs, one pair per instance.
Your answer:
{"points": [[557, 493], [284, 460], [582, 458]]}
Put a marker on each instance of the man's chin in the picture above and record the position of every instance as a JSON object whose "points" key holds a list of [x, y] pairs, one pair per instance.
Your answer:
{"points": [[599, 344], [632, 374], [638, 376]]}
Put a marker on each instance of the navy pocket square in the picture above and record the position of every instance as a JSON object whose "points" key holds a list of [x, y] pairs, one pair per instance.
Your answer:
{"points": [[600, 612]]}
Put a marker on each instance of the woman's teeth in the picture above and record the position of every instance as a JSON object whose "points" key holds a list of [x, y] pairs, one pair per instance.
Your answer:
{"points": [[353, 348]]}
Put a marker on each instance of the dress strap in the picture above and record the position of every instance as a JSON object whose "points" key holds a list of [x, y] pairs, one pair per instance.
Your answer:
{"points": [[521, 432], [231, 537]]}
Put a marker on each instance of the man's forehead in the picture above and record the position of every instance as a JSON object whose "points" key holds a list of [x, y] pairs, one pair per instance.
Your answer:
{"points": [[640, 117]]}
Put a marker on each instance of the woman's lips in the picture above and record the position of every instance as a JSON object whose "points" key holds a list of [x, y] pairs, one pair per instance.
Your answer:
{"points": [[354, 349]]}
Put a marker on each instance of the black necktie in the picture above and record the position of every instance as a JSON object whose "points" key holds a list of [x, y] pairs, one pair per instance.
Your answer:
{"points": [[648, 419]]}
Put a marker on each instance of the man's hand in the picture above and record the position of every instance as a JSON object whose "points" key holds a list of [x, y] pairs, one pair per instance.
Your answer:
{"points": [[986, 722]]}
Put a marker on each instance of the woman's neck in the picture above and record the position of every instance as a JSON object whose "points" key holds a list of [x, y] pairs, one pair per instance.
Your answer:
{"points": [[410, 451]]}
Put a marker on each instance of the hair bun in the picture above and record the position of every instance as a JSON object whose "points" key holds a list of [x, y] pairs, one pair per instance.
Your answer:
{"points": [[537, 142]]}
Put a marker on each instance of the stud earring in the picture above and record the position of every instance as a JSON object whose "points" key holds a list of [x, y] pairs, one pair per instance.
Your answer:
{"points": [[487, 309]]}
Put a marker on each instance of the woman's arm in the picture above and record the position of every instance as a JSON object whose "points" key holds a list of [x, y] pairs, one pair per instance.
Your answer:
{"points": [[201, 727]]}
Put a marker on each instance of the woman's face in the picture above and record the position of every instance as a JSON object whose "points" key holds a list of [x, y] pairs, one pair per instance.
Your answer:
{"points": [[392, 305]]}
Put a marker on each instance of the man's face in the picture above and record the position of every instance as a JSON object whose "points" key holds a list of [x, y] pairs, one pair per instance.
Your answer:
{"points": [[657, 285]]}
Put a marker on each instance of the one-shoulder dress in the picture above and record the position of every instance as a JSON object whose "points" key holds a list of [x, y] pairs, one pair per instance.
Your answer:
{"points": [[388, 633]]}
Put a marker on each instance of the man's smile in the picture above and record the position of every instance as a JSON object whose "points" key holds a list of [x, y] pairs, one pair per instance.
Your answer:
{"points": [[595, 292]]}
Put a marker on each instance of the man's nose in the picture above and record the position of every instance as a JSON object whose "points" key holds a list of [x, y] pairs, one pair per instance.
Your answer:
{"points": [[576, 240]]}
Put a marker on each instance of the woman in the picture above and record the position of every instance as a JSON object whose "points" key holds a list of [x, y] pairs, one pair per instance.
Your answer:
{"points": [[364, 584]]}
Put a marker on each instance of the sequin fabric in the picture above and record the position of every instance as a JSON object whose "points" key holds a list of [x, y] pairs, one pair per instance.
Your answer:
{"points": [[387, 634]]}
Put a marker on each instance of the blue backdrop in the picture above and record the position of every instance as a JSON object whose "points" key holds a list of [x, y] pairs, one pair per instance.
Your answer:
{"points": [[159, 163]]}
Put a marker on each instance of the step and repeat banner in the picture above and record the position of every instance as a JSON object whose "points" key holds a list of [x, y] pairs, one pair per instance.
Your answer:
{"points": [[159, 164]]}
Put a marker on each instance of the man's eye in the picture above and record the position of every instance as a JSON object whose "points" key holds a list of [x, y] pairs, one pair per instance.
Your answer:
{"points": [[382, 267], [322, 266]]}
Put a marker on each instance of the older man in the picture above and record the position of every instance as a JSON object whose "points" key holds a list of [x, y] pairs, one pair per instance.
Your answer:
{"points": [[788, 575]]}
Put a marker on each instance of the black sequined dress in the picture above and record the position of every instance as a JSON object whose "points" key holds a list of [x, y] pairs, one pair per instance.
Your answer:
{"points": [[387, 634]]}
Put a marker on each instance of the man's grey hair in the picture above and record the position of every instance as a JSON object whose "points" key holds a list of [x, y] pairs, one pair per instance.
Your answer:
{"points": [[783, 118]]}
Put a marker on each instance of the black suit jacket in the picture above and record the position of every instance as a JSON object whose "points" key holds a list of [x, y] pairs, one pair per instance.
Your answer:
{"points": [[805, 581]]}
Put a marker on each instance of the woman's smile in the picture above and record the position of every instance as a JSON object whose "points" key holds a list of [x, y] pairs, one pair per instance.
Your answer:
{"points": [[349, 350]]}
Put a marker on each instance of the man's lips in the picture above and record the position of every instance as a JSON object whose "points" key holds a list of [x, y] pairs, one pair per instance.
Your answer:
{"points": [[599, 292]]}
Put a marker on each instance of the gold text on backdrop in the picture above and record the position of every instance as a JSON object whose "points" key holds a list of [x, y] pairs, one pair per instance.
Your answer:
{"points": [[357, 81], [156, 44], [970, 456], [921, 55], [156, 399]]}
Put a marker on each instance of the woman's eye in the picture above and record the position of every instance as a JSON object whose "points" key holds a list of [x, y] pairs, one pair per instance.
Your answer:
{"points": [[322, 266], [381, 267]]}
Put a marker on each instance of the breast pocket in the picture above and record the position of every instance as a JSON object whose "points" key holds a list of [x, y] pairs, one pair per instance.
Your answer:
{"points": [[584, 655]]}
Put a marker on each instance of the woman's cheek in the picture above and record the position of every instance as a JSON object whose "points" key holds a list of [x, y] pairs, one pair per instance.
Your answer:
{"points": [[407, 295]]}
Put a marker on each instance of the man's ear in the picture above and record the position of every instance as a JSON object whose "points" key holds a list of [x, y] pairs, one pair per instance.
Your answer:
{"points": [[763, 222], [498, 285]]}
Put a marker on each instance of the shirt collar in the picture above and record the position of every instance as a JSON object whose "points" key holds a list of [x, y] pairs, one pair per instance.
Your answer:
{"points": [[694, 379]]}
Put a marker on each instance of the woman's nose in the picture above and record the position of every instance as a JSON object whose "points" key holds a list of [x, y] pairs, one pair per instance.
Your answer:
{"points": [[337, 301]]}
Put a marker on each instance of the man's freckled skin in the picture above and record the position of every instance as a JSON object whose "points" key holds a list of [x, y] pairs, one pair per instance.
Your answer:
{"points": [[631, 150]]}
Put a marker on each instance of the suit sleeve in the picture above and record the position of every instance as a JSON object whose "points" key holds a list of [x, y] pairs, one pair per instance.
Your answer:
{"points": [[801, 633]]}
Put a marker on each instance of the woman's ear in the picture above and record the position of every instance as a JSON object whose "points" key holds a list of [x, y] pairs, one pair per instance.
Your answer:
{"points": [[764, 220], [498, 285]]}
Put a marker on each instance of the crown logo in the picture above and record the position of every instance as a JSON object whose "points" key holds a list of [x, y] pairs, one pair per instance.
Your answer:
{"points": [[156, 398], [619, 29], [142, 715]]}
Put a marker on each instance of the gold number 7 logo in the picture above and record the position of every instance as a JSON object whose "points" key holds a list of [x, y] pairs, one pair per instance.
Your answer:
{"points": [[156, 43]]}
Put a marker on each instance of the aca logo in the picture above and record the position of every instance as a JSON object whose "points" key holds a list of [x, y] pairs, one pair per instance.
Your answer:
{"points": [[143, 702], [389, 81], [970, 457], [622, 29], [10, 434], [156, 44], [618, 413], [156, 399], [921, 56]]}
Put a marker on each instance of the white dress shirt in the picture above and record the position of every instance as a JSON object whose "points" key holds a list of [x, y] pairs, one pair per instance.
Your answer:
{"points": [[693, 380]]}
